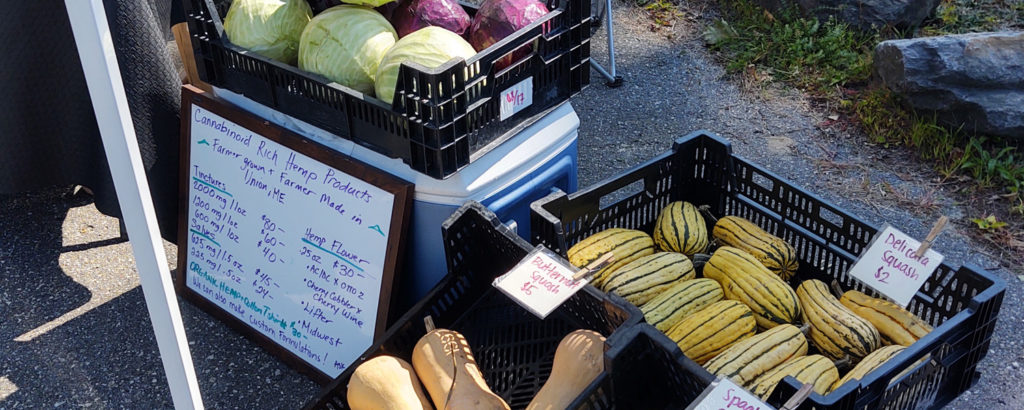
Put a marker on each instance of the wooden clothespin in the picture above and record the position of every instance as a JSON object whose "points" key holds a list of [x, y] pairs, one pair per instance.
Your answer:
{"points": [[594, 266], [934, 233], [838, 290], [798, 397]]}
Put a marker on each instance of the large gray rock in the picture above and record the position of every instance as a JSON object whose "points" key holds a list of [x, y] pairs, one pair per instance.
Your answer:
{"points": [[863, 14], [970, 80]]}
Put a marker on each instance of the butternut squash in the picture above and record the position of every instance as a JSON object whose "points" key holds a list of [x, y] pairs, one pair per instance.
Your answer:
{"points": [[446, 366], [386, 383], [579, 359]]}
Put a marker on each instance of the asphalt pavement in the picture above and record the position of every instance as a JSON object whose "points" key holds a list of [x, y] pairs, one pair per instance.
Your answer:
{"points": [[74, 329]]}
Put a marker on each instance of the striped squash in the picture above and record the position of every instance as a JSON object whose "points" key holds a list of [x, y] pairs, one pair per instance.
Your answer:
{"points": [[743, 278], [870, 362], [708, 332], [679, 301], [681, 228], [835, 330], [896, 325], [626, 244], [644, 278], [754, 356], [773, 252], [815, 369]]}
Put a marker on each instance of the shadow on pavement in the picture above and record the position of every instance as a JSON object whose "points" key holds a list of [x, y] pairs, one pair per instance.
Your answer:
{"points": [[33, 287], [75, 329]]}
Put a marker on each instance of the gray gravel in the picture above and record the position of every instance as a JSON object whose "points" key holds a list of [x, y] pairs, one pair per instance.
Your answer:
{"points": [[74, 330]]}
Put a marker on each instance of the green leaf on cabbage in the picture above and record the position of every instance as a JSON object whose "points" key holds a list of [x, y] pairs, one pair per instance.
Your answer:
{"points": [[429, 46], [270, 28], [346, 44]]}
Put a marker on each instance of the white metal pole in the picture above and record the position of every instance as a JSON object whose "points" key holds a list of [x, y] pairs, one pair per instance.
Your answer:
{"points": [[96, 49]]}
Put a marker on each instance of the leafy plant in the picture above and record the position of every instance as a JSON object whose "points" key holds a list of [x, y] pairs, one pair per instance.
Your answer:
{"points": [[988, 223], [803, 51]]}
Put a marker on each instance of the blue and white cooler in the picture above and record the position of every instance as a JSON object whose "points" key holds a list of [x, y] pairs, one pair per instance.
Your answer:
{"points": [[506, 179]]}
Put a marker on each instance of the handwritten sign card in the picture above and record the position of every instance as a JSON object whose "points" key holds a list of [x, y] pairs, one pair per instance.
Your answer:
{"points": [[723, 394], [300, 250], [516, 98], [540, 282], [891, 267]]}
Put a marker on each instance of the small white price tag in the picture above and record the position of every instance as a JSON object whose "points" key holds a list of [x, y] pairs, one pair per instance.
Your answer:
{"points": [[891, 267], [516, 97], [540, 282], [723, 394]]}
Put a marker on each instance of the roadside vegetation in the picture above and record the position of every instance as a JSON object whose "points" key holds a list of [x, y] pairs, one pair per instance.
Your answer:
{"points": [[832, 63]]}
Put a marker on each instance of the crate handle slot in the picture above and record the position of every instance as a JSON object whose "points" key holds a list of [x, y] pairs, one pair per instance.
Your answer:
{"points": [[627, 191]]}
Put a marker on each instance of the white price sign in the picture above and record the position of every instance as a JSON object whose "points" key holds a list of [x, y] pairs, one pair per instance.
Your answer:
{"points": [[890, 265], [540, 282], [516, 98], [723, 394]]}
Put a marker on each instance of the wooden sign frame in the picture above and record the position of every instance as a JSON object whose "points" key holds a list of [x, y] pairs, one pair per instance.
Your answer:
{"points": [[401, 210]]}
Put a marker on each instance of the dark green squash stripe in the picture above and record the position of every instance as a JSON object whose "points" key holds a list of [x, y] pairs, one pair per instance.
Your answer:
{"points": [[712, 317], [668, 279], [861, 342], [683, 290], [776, 305], [765, 337], [737, 333]]}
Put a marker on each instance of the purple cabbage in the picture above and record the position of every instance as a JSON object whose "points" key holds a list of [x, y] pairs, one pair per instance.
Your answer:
{"points": [[412, 15], [497, 19]]}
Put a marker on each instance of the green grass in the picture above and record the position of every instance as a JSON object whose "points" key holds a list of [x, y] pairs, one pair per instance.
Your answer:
{"points": [[991, 162], [818, 56], [662, 12], [971, 16], [803, 51]]}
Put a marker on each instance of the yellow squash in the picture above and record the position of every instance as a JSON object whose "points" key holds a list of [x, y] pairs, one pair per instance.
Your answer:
{"points": [[745, 279], [681, 228], [754, 356], [680, 301], [773, 252], [644, 278], [816, 370], [708, 332], [835, 330], [626, 244], [895, 324]]}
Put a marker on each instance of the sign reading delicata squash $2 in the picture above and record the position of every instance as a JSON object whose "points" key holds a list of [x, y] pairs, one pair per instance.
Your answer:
{"points": [[891, 266]]}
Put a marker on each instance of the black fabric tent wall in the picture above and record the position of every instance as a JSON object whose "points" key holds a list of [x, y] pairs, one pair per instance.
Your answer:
{"points": [[47, 126]]}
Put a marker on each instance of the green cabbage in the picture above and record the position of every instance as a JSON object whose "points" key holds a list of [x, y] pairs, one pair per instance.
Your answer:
{"points": [[429, 46], [345, 44], [270, 28]]}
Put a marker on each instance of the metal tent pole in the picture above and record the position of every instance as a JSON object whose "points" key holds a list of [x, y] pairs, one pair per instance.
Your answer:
{"points": [[614, 80]]}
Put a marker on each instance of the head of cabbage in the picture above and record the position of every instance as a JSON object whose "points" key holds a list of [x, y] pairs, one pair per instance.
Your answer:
{"points": [[345, 44], [270, 28], [429, 46]]}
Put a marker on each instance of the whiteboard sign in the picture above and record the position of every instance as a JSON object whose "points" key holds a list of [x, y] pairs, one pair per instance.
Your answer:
{"points": [[299, 251], [516, 98], [891, 267], [723, 394], [540, 282]]}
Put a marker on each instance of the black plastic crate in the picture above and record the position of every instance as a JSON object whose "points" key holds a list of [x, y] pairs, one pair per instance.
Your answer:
{"points": [[644, 370], [961, 304], [513, 348], [441, 119]]}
